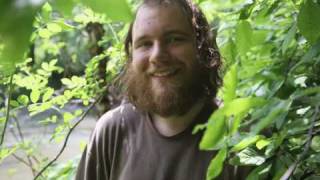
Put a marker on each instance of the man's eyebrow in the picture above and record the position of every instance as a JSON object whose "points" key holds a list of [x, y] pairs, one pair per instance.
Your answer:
{"points": [[169, 32], [140, 38], [179, 32]]}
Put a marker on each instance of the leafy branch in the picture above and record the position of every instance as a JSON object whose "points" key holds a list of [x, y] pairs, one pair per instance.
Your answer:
{"points": [[292, 168], [67, 137]]}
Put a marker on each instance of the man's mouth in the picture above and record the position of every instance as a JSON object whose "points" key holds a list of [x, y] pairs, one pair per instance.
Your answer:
{"points": [[165, 72]]}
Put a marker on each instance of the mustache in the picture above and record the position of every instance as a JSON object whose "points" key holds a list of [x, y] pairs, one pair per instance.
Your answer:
{"points": [[164, 67]]}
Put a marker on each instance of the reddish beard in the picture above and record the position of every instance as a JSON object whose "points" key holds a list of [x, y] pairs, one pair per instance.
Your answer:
{"points": [[174, 100]]}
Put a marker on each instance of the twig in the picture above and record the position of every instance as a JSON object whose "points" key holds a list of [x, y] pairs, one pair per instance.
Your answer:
{"points": [[292, 168], [22, 140], [13, 134], [8, 109], [29, 164], [19, 129], [67, 137], [113, 32], [20, 159]]}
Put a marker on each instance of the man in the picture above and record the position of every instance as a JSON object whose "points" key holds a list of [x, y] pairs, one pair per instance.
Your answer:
{"points": [[170, 80]]}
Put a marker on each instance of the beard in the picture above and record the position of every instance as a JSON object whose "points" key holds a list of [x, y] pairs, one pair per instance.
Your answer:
{"points": [[176, 96]]}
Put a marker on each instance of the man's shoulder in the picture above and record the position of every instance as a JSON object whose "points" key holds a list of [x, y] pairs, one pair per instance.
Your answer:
{"points": [[118, 117]]}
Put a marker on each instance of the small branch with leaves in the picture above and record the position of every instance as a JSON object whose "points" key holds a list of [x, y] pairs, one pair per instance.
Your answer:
{"points": [[67, 137], [292, 168]]}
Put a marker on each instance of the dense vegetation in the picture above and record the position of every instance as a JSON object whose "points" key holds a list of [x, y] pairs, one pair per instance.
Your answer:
{"points": [[60, 52]]}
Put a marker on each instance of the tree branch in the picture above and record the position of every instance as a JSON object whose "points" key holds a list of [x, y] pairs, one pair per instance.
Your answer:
{"points": [[293, 167], [67, 137], [22, 140], [20, 159], [29, 163], [8, 109]]}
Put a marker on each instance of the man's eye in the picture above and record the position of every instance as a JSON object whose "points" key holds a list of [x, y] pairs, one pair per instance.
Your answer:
{"points": [[175, 39], [144, 44]]}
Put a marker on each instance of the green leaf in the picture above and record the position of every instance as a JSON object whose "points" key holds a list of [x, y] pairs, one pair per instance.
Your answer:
{"points": [[45, 33], [278, 111], [228, 51], [259, 38], [117, 10], [259, 172], [199, 128], [262, 143], [245, 143], [215, 130], [308, 24], [246, 11], [315, 144], [309, 56], [67, 82], [64, 6], [54, 27], [49, 120], [14, 103], [23, 99], [242, 105], [238, 108], [35, 95], [2, 120], [53, 62], [78, 112], [15, 30], [216, 127], [64, 25], [230, 81], [289, 38], [67, 117], [247, 156], [48, 94], [5, 152], [216, 164], [6, 68], [236, 121], [244, 40], [306, 92], [46, 11]]}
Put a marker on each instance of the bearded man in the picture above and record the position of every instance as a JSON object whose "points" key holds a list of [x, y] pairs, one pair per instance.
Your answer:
{"points": [[170, 82]]}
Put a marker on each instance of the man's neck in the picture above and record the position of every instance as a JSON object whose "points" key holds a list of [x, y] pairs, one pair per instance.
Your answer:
{"points": [[170, 126]]}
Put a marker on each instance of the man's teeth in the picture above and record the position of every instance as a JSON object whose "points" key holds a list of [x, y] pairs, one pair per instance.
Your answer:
{"points": [[164, 73]]}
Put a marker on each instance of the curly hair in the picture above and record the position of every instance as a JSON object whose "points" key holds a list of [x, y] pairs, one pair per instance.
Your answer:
{"points": [[205, 41]]}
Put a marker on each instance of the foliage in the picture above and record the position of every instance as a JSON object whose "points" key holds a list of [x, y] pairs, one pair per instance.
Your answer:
{"points": [[53, 52], [54, 60], [270, 113]]}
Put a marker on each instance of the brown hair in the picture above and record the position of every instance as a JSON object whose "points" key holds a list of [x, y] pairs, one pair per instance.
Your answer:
{"points": [[205, 41]]}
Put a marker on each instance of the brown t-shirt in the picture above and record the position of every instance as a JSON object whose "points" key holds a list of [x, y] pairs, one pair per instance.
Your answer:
{"points": [[126, 146]]}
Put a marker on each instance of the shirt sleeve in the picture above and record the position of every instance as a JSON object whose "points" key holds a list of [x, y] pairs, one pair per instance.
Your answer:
{"points": [[94, 161]]}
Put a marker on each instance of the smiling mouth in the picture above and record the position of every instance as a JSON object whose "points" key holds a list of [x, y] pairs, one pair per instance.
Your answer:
{"points": [[164, 73]]}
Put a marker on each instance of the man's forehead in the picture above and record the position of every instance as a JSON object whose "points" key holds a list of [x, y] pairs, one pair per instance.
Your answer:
{"points": [[157, 9], [169, 17]]}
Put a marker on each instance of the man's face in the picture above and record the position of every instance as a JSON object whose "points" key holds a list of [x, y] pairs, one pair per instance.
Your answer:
{"points": [[164, 75]]}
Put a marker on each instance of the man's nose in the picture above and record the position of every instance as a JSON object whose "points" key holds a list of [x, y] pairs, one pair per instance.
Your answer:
{"points": [[159, 53]]}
